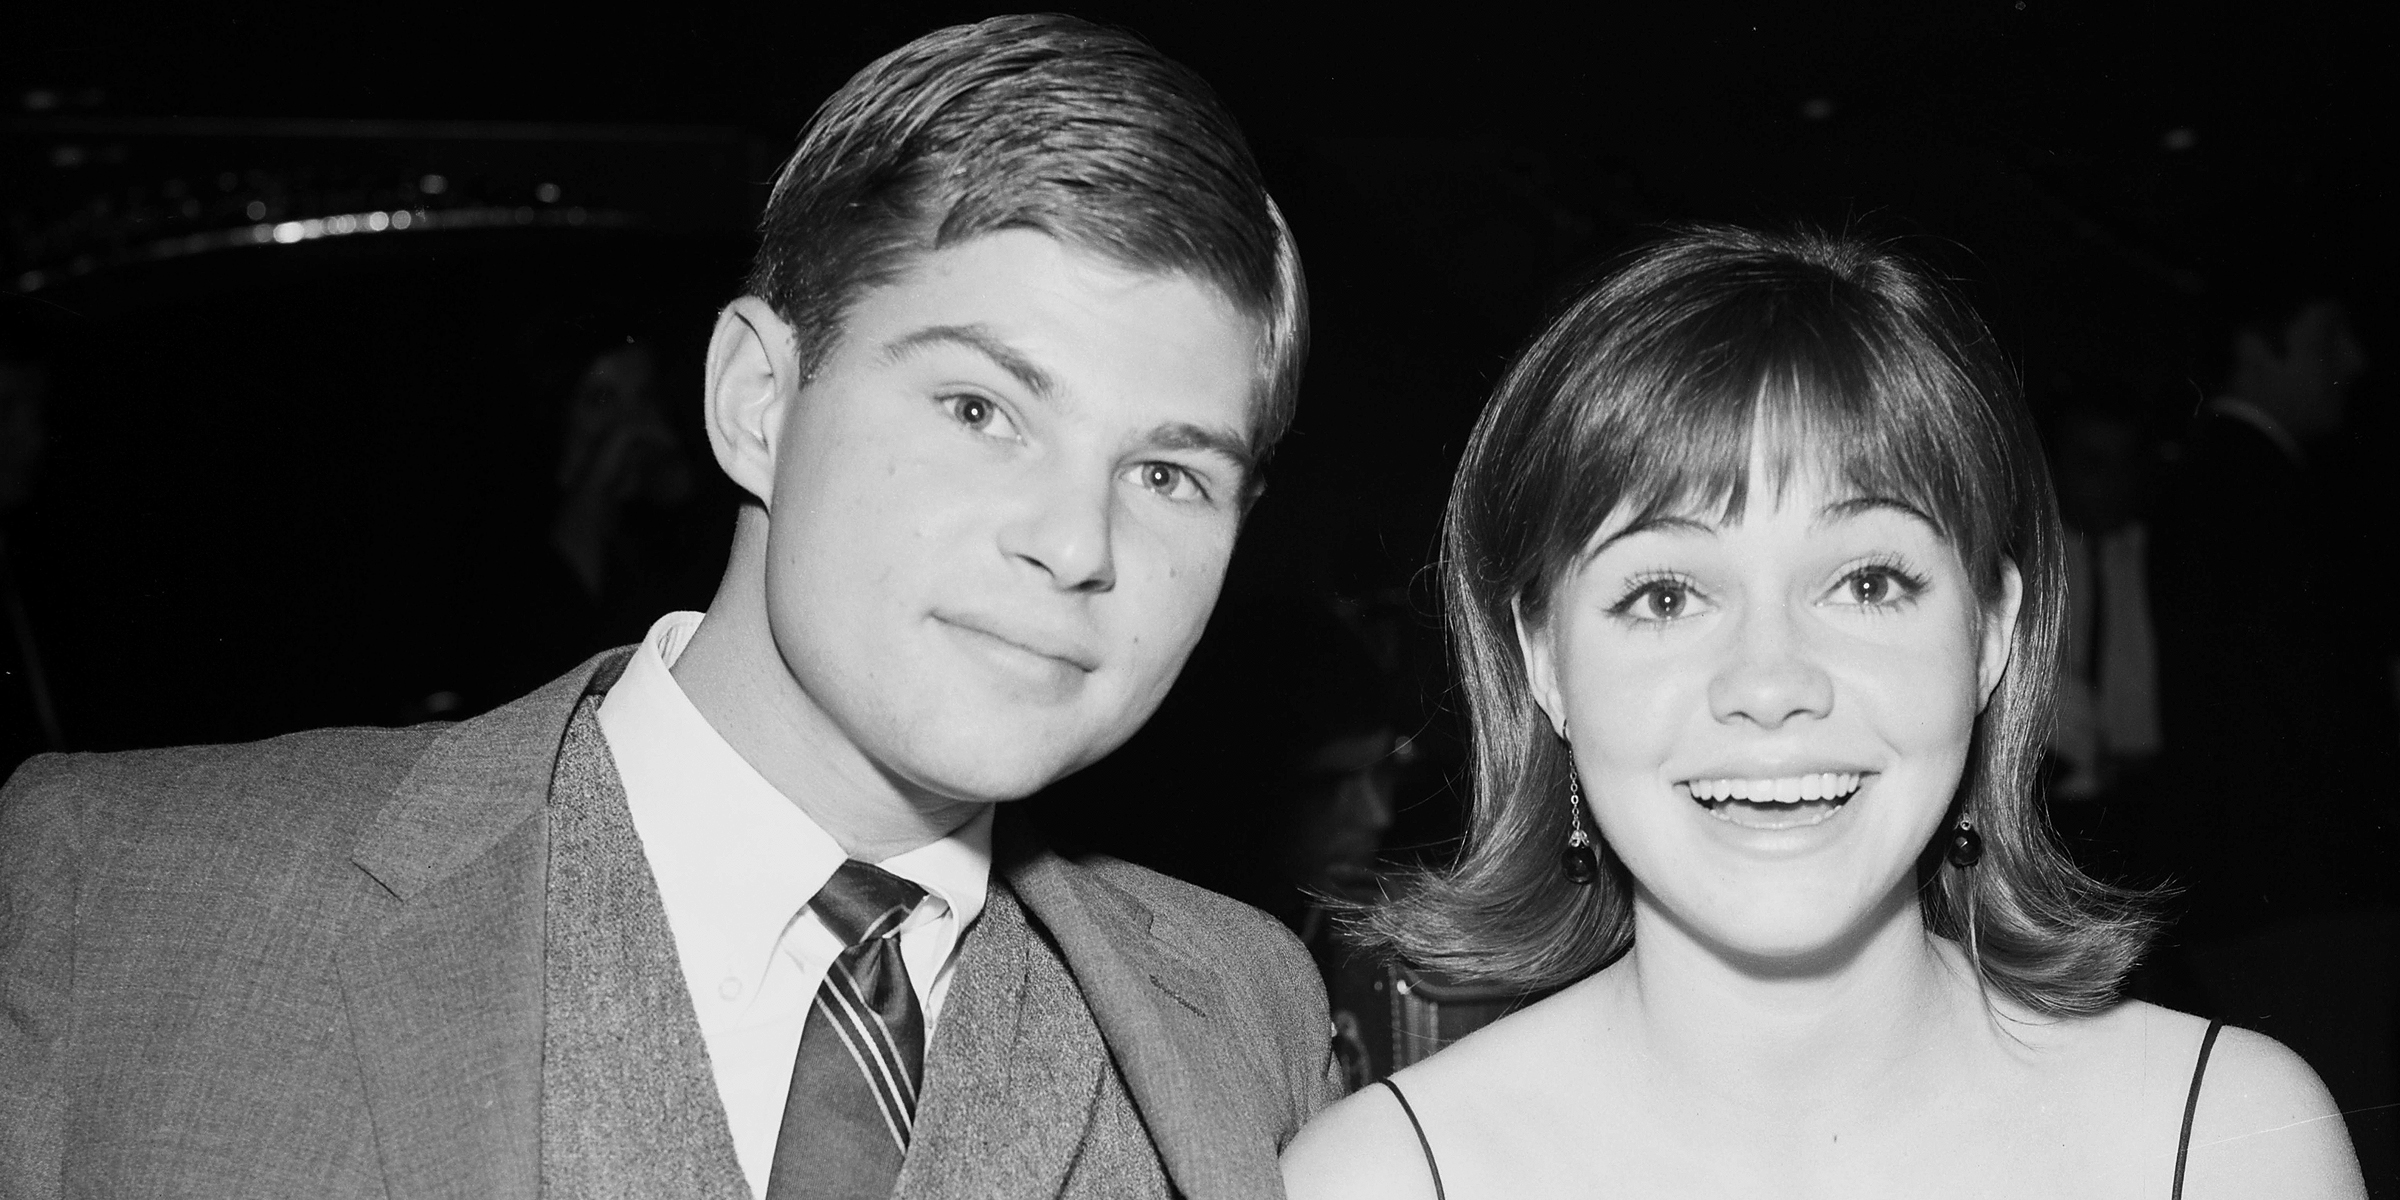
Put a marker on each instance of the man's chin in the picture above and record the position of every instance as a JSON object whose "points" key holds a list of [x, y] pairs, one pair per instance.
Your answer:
{"points": [[993, 777]]}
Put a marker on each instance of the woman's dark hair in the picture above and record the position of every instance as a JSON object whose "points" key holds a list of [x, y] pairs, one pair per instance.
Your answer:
{"points": [[1644, 396], [1044, 122]]}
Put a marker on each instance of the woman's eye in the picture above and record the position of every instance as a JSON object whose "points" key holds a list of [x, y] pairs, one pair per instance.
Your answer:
{"points": [[1658, 600], [1169, 480], [1877, 587]]}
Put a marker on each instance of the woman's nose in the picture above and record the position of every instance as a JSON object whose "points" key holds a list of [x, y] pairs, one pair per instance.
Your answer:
{"points": [[1768, 676]]}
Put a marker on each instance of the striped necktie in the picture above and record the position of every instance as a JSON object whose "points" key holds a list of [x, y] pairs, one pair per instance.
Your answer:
{"points": [[853, 1103]]}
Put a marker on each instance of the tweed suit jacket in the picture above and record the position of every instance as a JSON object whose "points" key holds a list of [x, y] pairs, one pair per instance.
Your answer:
{"points": [[1020, 1102], [313, 966]]}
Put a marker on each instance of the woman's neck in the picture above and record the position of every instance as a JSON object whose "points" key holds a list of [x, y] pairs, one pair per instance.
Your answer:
{"points": [[1852, 1028]]}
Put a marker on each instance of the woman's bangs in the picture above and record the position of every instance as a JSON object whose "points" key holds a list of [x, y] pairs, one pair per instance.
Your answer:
{"points": [[1683, 450], [1860, 427], [1692, 446]]}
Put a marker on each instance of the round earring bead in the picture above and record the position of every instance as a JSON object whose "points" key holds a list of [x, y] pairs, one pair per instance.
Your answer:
{"points": [[1579, 864], [1966, 846]]}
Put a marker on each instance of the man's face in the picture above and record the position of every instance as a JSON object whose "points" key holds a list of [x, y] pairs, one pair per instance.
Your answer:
{"points": [[1002, 508]]}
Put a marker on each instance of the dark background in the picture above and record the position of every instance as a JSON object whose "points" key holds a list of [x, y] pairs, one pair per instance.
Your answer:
{"points": [[288, 477], [294, 485]]}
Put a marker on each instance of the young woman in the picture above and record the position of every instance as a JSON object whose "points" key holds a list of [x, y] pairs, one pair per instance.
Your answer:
{"points": [[1754, 573]]}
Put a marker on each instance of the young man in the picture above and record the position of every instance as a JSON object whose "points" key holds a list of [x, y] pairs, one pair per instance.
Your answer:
{"points": [[729, 913]]}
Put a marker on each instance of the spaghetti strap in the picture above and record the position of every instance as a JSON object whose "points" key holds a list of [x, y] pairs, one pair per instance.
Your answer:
{"points": [[1436, 1171], [2191, 1105]]}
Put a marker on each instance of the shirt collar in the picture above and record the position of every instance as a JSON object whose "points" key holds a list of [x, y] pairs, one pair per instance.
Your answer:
{"points": [[734, 859]]}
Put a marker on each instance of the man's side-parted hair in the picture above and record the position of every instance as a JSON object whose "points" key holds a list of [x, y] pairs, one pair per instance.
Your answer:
{"points": [[1645, 397], [1043, 122]]}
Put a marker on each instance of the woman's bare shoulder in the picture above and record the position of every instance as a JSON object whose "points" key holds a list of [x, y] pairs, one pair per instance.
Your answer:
{"points": [[1361, 1146], [1368, 1145], [2264, 1125]]}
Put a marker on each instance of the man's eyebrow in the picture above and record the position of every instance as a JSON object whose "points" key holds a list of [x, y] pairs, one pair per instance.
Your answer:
{"points": [[1840, 510], [1180, 435], [1663, 522], [981, 340]]}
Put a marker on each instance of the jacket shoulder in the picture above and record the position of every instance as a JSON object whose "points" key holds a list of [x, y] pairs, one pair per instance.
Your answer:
{"points": [[1270, 981], [282, 787], [300, 788], [328, 753], [1190, 908]]}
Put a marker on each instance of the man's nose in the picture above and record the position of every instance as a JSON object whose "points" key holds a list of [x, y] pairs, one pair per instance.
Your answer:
{"points": [[1768, 676], [1066, 532]]}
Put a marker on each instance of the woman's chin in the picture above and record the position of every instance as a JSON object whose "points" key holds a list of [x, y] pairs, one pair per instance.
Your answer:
{"points": [[1783, 937]]}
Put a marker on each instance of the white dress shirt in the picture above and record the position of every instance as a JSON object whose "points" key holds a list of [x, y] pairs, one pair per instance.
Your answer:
{"points": [[736, 863]]}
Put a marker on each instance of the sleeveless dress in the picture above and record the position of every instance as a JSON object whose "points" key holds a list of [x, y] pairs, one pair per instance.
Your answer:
{"points": [[2183, 1146]]}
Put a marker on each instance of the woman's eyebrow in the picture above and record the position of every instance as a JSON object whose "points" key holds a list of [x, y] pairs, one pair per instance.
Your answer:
{"points": [[1842, 510], [1662, 523]]}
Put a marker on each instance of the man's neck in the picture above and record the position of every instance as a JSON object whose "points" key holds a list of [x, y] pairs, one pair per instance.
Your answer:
{"points": [[733, 674]]}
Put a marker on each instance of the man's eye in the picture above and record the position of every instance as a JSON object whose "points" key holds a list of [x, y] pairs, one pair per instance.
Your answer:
{"points": [[1169, 480], [978, 413]]}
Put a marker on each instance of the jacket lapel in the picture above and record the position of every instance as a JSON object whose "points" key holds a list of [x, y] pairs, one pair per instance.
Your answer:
{"points": [[1157, 1009], [1011, 1075], [442, 977]]}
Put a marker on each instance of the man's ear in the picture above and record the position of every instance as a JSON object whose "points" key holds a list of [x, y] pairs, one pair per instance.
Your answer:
{"points": [[1999, 640], [1541, 666], [753, 372]]}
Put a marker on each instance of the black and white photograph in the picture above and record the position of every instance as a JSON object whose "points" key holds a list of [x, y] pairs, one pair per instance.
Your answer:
{"points": [[829, 602]]}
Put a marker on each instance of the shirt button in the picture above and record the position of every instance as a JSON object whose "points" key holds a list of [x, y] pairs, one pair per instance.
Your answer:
{"points": [[730, 989]]}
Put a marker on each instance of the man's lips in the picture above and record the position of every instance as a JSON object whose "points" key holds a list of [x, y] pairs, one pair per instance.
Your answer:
{"points": [[1057, 648]]}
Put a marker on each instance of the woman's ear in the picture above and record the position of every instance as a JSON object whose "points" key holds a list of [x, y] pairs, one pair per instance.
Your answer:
{"points": [[1541, 665], [1999, 638], [753, 372]]}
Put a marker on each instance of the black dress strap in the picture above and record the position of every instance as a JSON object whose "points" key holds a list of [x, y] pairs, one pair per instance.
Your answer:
{"points": [[2191, 1105], [1436, 1171]]}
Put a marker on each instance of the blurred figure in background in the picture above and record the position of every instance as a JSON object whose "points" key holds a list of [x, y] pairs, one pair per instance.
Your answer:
{"points": [[2277, 714], [2108, 736], [2280, 731], [626, 483], [632, 520]]}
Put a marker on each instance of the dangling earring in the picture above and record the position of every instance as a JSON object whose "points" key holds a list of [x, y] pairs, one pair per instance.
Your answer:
{"points": [[1577, 860], [1966, 845]]}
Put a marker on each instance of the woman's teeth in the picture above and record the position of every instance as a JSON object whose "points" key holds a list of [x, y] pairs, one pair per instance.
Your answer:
{"points": [[1790, 789], [1786, 803]]}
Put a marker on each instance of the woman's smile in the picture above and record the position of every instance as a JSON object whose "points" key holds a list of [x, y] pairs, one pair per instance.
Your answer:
{"points": [[1785, 802]]}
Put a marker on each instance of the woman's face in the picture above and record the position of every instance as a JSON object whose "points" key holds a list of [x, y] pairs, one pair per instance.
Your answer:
{"points": [[1770, 714]]}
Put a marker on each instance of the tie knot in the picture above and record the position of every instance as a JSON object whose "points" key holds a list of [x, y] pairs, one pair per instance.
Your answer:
{"points": [[863, 902]]}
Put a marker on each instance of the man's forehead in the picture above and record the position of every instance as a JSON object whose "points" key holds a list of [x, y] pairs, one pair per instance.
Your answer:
{"points": [[999, 295]]}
